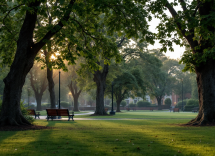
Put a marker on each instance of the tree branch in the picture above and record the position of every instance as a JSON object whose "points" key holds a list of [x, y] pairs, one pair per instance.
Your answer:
{"points": [[183, 5], [55, 29], [194, 14]]}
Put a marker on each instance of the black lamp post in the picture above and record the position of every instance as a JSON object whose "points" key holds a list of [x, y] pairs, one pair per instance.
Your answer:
{"points": [[112, 112], [59, 117], [182, 96], [28, 97]]}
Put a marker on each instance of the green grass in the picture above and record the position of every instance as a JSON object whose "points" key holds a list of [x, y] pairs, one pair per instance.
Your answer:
{"points": [[151, 137], [110, 138], [145, 114]]}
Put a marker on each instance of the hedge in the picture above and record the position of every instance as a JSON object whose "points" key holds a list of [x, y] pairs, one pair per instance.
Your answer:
{"points": [[143, 103]]}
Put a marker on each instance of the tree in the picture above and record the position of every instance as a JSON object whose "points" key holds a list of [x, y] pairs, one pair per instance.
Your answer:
{"points": [[78, 17], [38, 83], [193, 24], [73, 87]]}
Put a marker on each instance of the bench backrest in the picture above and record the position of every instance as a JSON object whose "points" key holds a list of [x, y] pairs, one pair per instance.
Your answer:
{"points": [[176, 109], [51, 112], [31, 112], [63, 112]]}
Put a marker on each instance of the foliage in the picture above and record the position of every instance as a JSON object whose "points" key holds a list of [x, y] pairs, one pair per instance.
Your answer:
{"points": [[47, 105], [143, 103], [64, 104], [192, 102], [132, 105], [188, 108], [25, 113], [168, 101], [179, 104], [123, 103]]}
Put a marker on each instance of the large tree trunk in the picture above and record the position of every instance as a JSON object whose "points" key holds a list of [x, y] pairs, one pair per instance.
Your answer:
{"points": [[75, 93], [206, 91], [51, 87], [75, 108], [23, 62], [118, 105], [38, 99], [100, 79], [159, 103]]}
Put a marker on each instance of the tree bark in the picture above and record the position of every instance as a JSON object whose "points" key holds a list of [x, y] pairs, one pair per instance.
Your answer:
{"points": [[38, 99], [159, 103], [118, 105], [75, 93], [51, 87], [14, 81], [100, 79], [206, 90]]}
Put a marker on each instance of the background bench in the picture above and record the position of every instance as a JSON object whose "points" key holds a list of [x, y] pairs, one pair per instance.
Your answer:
{"points": [[195, 109], [33, 112], [175, 109], [51, 113]]}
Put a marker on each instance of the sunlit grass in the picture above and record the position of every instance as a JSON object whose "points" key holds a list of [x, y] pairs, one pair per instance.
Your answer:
{"points": [[117, 137]]}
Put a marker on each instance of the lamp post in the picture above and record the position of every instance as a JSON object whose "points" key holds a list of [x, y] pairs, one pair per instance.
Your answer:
{"points": [[182, 96], [112, 112], [59, 117]]}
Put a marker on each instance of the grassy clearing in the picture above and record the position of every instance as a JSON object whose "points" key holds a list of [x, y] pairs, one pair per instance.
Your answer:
{"points": [[116, 137], [146, 114]]}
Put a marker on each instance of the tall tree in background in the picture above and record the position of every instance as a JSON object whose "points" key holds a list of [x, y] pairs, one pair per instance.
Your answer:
{"points": [[73, 86], [193, 23], [39, 83]]}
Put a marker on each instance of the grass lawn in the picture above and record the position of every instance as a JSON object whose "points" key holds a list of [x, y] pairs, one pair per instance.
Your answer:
{"points": [[152, 137], [146, 114]]}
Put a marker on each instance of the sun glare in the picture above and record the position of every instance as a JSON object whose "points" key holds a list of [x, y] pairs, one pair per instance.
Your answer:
{"points": [[53, 57]]}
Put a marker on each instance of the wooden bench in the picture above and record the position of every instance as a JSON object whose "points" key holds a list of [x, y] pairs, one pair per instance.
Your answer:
{"points": [[51, 113], [195, 109], [33, 112], [151, 109], [128, 109], [175, 109]]}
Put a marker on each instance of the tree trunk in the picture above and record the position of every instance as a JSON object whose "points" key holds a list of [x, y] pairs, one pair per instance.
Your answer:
{"points": [[51, 87], [14, 81], [118, 105], [100, 79], [206, 90], [75, 108], [159, 103], [38, 99]]}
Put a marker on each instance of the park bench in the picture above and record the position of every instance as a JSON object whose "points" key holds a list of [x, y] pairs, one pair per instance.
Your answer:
{"points": [[195, 109], [128, 109], [151, 109], [51, 113], [175, 109], [106, 110], [33, 112]]}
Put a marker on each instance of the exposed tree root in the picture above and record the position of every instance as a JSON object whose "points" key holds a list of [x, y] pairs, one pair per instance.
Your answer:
{"points": [[7, 121], [200, 121]]}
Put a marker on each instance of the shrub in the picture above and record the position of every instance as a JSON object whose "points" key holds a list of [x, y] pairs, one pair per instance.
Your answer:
{"points": [[25, 113], [143, 103], [179, 104], [192, 102], [123, 103], [64, 104], [47, 105], [188, 108], [168, 101], [31, 106], [132, 105]]}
